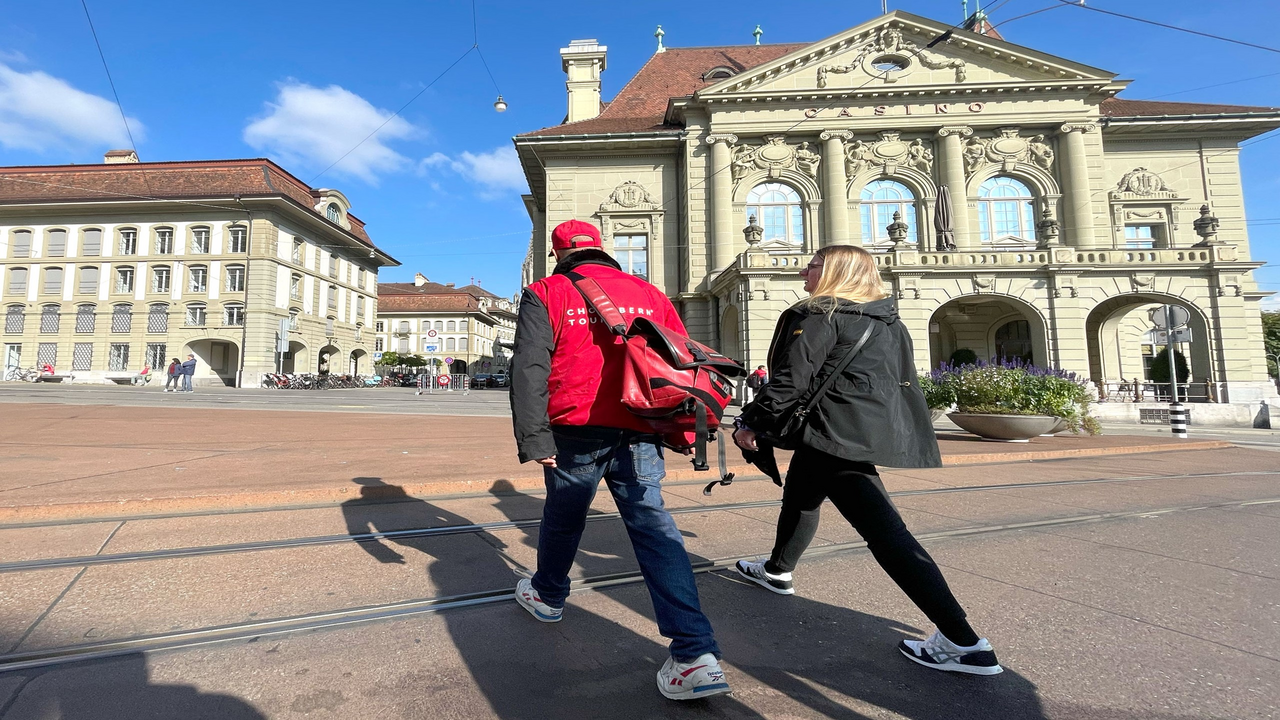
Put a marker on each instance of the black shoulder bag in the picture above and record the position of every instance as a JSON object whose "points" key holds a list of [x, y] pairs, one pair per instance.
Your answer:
{"points": [[792, 425]]}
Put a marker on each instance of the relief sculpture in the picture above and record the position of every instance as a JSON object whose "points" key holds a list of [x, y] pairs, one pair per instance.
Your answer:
{"points": [[899, 54], [774, 156], [889, 153], [1007, 150]]}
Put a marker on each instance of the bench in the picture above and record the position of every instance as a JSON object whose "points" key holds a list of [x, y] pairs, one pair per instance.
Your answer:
{"points": [[55, 377], [126, 378]]}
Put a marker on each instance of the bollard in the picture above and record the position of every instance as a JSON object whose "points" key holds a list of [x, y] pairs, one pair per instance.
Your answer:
{"points": [[1178, 420]]}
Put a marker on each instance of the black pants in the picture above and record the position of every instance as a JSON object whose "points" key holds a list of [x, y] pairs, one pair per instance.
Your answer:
{"points": [[856, 491]]}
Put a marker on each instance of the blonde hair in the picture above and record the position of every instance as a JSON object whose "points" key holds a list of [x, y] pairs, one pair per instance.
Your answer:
{"points": [[848, 273]]}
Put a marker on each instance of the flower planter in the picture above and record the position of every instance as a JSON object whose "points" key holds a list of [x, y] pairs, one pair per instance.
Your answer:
{"points": [[1060, 427], [1009, 428]]}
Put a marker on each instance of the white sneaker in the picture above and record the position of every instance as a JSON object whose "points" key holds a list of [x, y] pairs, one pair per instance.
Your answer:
{"points": [[698, 679], [529, 600], [754, 571], [939, 653]]}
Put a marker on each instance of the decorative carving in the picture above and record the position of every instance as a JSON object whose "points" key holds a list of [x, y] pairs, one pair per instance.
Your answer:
{"points": [[727, 138], [1085, 127], [1142, 184], [1041, 152], [743, 161], [1156, 214], [920, 157], [984, 282], [753, 232], [961, 130], [1142, 282], [1007, 150], [629, 196], [807, 160], [890, 44], [1206, 227], [1047, 229], [775, 155], [889, 152], [845, 135], [897, 230]]}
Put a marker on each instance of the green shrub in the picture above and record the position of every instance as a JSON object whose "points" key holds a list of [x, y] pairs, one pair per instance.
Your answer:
{"points": [[964, 356], [1013, 387]]}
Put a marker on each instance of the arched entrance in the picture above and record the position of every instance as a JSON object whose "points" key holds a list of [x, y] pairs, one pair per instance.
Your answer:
{"points": [[1121, 346], [217, 361], [729, 339], [289, 363], [358, 363], [325, 358], [459, 367], [993, 327]]}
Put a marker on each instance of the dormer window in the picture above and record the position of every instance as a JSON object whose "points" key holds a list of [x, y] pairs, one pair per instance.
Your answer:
{"points": [[719, 73], [333, 212]]}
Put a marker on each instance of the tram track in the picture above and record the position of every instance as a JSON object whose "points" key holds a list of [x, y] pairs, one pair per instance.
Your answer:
{"points": [[462, 529], [185, 639]]}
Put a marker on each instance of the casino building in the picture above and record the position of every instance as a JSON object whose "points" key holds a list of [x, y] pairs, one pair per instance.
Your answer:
{"points": [[1016, 206]]}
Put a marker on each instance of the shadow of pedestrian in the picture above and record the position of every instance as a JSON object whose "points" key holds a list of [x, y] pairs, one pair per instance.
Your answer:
{"points": [[835, 661], [521, 667], [118, 689]]}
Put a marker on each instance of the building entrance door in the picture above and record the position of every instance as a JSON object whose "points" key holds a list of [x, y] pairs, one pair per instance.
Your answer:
{"points": [[12, 355]]}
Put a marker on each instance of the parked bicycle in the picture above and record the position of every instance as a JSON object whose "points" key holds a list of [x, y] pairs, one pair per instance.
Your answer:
{"points": [[17, 374]]}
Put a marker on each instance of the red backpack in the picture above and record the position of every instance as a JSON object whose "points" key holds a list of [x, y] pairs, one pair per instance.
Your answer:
{"points": [[675, 384]]}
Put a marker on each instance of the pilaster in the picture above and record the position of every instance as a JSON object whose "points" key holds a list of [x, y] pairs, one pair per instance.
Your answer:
{"points": [[954, 180], [722, 239], [1079, 199], [837, 230]]}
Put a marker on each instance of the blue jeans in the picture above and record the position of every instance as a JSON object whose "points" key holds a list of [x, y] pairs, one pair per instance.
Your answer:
{"points": [[631, 464], [186, 383]]}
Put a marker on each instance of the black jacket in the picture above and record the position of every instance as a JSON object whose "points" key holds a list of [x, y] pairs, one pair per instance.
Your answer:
{"points": [[874, 412]]}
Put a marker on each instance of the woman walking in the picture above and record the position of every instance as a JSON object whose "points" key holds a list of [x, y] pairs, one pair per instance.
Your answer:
{"points": [[872, 413]]}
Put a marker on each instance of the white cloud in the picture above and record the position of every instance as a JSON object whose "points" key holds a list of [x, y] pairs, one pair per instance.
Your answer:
{"points": [[41, 112], [497, 172], [313, 127]]}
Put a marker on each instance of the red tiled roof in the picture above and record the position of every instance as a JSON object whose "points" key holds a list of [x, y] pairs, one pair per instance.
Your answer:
{"points": [[184, 180], [1123, 107], [641, 105], [441, 302], [412, 289]]}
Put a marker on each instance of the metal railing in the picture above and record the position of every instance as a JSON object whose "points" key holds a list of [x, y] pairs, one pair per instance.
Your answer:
{"points": [[1144, 391]]}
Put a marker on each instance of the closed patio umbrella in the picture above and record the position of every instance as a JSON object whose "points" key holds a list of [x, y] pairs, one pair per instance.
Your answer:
{"points": [[943, 219]]}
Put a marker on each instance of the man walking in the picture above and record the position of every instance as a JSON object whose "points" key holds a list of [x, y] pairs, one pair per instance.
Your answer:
{"points": [[581, 433], [188, 370]]}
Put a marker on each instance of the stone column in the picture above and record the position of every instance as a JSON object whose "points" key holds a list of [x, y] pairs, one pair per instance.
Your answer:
{"points": [[836, 200], [722, 230], [1075, 176], [953, 177]]}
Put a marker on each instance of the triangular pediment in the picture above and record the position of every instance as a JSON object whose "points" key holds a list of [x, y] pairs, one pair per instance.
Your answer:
{"points": [[894, 51]]}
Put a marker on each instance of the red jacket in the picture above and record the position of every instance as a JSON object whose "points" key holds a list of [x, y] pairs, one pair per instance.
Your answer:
{"points": [[567, 367]]}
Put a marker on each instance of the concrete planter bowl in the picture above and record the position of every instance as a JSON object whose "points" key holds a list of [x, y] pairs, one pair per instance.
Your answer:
{"points": [[1008, 428]]}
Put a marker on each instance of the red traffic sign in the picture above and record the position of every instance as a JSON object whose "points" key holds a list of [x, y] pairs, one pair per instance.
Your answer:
{"points": [[448, 361], [443, 380], [431, 333]]}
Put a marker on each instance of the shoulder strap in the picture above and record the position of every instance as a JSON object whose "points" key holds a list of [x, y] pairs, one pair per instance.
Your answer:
{"points": [[598, 300], [807, 404]]}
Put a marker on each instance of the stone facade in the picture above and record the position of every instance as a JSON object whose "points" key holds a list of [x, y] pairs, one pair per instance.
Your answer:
{"points": [[107, 269], [1037, 212], [469, 325]]}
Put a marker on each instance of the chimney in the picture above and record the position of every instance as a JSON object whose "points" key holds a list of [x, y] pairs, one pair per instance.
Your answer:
{"points": [[115, 157], [419, 280], [583, 61], [448, 285]]}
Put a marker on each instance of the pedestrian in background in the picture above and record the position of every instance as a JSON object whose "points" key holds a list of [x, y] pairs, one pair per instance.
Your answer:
{"points": [[566, 402], [756, 380], [188, 370], [173, 376], [872, 414]]}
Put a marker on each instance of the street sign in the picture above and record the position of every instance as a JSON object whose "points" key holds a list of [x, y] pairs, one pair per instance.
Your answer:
{"points": [[431, 348], [443, 380], [282, 336], [1180, 335], [377, 355], [485, 365], [431, 333], [448, 361], [1179, 316]]}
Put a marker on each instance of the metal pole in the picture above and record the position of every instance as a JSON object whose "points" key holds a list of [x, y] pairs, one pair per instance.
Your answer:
{"points": [[1177, 413]]}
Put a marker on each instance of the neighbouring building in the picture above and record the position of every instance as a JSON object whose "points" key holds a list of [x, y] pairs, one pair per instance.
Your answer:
{"points": [[1016, 206], [105, 269], [468, 326]]}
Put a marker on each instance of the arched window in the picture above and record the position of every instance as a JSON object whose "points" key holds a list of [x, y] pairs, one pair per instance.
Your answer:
{"points": [[880, 200], [164, 241], [53, 280], [333, 212], [121, 318], [200, 240], [89, 279], [21, 247], [18, 280], [50, 318], [14, 319], [56, 243], [86, 318], [233, 315], [462, 344], [439, 326], [450, 344], [1005, 211], [462, 326], [452, 326], [158, 318], [776, 207]]}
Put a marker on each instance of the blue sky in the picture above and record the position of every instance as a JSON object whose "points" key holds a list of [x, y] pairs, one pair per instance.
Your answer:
{"points": [[439, 186]]}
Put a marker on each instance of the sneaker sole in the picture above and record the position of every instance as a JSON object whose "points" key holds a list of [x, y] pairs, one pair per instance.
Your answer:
{"points": [[534, 611], [764, 584], [702, 691], [953, 667]]}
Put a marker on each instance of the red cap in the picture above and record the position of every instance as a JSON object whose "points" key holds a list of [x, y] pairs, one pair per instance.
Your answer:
{"points": [[575, 234]]}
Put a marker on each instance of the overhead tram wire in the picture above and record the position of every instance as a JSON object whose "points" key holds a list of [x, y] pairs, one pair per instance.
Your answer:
{"points": [[115, 93], [1167, 26]]}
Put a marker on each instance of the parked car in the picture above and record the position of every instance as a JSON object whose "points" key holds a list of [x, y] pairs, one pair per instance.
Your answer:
{"points": [[408, 380], [500, 380], [481, 380]]}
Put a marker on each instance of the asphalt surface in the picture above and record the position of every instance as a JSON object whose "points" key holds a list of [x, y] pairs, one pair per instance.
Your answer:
{"points": [[1129, 587]]}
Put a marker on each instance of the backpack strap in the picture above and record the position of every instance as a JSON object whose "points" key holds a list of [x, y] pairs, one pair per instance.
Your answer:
{"points": [[597, 299]]}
